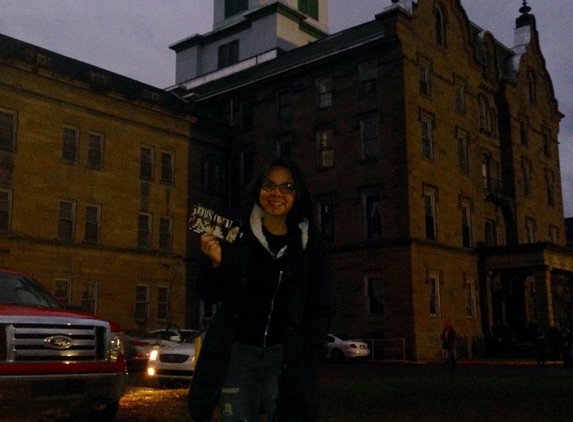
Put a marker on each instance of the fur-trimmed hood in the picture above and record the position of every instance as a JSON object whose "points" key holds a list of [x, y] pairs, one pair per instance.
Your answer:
{"points": [[256, 222]]}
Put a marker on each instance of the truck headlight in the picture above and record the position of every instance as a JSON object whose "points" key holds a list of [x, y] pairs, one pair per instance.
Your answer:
{"points": [[115, 347]]}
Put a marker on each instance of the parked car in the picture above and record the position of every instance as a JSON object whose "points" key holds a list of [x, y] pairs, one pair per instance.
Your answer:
{"points": [[175, 363], [138, 347], [53, 360], [340, 349]]}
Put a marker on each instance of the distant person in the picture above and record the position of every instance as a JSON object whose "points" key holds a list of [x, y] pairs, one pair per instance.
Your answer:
{"points": [[448, 338]]}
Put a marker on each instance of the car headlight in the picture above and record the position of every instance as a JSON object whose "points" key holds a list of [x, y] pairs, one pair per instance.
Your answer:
{"points": [[154, 354]]}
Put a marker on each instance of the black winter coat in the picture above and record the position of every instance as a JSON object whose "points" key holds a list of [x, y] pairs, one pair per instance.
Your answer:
{"points": [[309, 313]]}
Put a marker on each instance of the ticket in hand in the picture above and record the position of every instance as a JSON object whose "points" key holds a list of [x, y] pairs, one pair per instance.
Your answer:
{"points": [[205, 220]]}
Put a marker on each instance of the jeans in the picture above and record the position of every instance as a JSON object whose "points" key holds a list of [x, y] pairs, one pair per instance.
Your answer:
{"points": [[251, 385]]}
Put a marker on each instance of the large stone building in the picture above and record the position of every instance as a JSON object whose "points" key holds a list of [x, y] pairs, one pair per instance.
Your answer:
{"points": [[431, 150], [95, 175]]}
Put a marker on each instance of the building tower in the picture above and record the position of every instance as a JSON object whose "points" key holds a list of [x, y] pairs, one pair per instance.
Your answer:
{"points": [[246, 33]]}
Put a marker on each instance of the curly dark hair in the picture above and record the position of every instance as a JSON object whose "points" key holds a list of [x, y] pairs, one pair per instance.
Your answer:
{"points": [[302, 208]]}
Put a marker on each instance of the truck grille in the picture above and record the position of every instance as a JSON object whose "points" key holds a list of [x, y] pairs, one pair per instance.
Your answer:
{"points": [[39, 342]]}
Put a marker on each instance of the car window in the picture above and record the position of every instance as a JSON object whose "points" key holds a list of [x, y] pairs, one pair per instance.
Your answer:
{"points": [[16, 289]]}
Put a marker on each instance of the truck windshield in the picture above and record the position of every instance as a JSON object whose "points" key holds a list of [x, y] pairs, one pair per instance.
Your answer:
{"points": [[16, 289]]}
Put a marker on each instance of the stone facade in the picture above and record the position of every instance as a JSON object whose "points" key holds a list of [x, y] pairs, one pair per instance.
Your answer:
{"points": [[431, 150], [95, 175]]}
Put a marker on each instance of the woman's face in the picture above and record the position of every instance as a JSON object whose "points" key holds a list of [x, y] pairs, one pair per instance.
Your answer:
{"points": [[277, 194]]}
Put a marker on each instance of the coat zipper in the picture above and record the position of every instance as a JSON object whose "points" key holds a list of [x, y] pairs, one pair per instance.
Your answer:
{"points": [[271, 309]]}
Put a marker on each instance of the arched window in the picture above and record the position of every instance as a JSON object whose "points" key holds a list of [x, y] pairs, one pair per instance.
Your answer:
{"points": [[532, 87], [440, 27]]}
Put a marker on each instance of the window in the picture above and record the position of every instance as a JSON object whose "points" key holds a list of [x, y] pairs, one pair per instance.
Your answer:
{"points": [[483, 114], [167, 165], [70, 144], [326, 220], [98, 78], [523, 132], [526, 173], [247, 116], [486, 171], [66, 220], [324, 91], [309, 8], [546, 143], [8, 124], [211, 175], [424, 78], [166, 234], [434, 292], [324, 148], [5, 210], [466, 217], [369, 137], [144, 230], [89, 297], [553, 234], [440, 23], [146, 163], [550, 187], [247, 167], [228, 54], [470, 298], [372, 215], [490, 233], [460, 92], [141, 302], [95, 150], [367, 78], [63, 291], [374, 297], [463, 160], [530, 230], [93, 224], [500, 232], [232, 7], [430, 214], [532, 87], [427, 129], [284, 101], [284, 149], [162, 303]]}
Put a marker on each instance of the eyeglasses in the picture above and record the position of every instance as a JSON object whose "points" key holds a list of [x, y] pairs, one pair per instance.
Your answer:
{"points": [[269, 186]]}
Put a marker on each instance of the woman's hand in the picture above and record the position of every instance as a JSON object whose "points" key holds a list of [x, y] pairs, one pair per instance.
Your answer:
{"points": [[211, 248]]}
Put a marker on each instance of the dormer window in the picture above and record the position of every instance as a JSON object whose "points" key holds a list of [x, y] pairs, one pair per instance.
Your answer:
{"points": [[234, 7], [309, 8], [98, 78]]}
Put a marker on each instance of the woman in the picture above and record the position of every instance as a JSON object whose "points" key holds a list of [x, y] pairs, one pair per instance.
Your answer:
{"points": [[262, 349]]}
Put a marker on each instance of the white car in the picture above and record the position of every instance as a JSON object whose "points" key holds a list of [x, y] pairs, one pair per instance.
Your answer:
{"points": [[340, 349], [173, 363], [138, 348]]}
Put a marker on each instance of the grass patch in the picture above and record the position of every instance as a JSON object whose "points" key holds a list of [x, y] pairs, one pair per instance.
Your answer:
{"points": [[420, 393]]}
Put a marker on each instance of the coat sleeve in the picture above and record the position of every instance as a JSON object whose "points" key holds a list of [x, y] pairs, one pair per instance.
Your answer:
{"points": [[319, 304]]}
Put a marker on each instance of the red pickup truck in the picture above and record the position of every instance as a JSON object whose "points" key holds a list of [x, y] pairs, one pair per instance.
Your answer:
{"points": [[53, 360]]}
